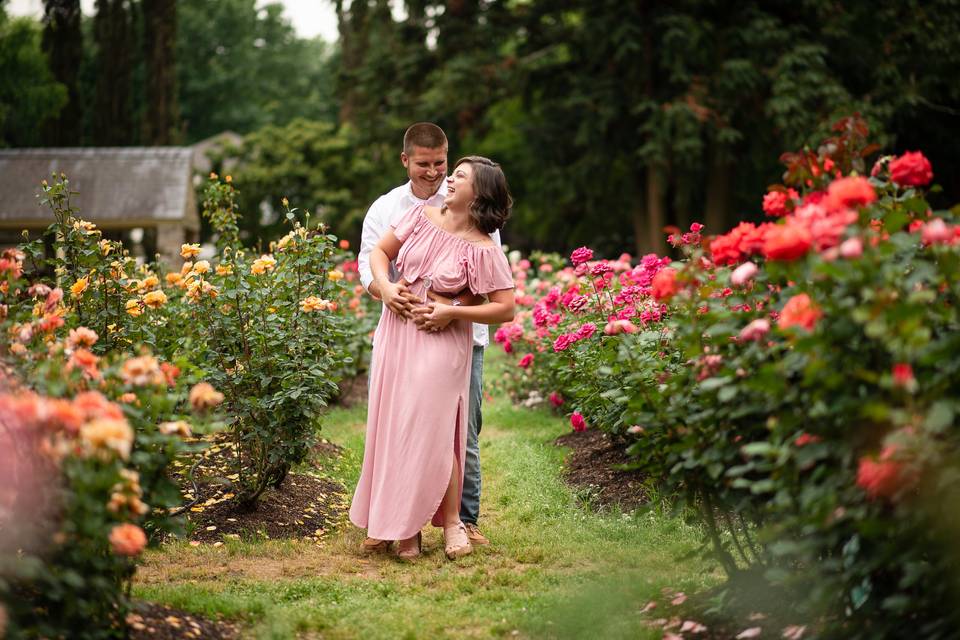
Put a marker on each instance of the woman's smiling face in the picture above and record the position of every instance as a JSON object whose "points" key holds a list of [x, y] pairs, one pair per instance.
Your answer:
{"points": [[460, 187]]}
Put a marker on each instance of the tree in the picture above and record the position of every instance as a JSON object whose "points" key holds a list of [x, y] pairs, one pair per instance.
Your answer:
{"points": [[63, 44], [314, 165], [113, 32], [160, 30], [241, 67], [29, 94]]}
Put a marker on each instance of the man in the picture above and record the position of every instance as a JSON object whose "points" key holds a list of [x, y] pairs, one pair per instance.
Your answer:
{"points": [[424, 156]]}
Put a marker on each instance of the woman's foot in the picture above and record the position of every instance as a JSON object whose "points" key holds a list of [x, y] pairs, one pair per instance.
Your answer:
{"points": [[410, 548], [456, 541]]}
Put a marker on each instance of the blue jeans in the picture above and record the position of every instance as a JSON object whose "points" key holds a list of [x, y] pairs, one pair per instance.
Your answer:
{"points": [[470, 503]]}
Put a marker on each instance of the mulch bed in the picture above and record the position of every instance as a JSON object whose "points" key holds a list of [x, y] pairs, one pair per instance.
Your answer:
{"points": [[594, 463], [307, 505], [149, 621]]}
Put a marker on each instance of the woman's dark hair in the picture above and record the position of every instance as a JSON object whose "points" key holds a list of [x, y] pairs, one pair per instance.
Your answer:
{"points": [[492, 203]]}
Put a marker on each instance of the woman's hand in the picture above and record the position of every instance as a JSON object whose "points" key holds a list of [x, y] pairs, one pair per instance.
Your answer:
{"points": [[398, 298], [433, 317]]}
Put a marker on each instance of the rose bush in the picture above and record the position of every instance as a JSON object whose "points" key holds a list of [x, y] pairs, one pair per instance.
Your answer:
{"points": [[803, 406]]}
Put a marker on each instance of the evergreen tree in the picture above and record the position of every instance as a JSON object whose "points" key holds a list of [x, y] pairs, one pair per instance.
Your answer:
{"points": [[113, 33], [63, 44], [160, 32]]}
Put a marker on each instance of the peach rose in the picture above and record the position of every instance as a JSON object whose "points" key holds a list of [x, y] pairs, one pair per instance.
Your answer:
{"points": [[127, 540], [106, 434], [203, 396]]}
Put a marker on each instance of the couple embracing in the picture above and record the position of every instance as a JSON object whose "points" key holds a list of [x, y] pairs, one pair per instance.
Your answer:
{"points": [[431, 252]]}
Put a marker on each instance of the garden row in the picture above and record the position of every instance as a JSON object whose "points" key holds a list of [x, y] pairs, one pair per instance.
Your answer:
{"points": [[109, 366], [793, 383]]}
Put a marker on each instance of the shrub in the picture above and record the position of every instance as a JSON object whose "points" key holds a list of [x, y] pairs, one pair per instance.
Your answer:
{"points": [[792, 383]]}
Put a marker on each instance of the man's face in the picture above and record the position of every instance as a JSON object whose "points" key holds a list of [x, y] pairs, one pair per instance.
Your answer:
{"points": [[426, 169]]}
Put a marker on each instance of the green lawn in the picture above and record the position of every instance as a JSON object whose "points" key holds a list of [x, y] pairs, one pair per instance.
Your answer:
{"points": [[554, 570]]}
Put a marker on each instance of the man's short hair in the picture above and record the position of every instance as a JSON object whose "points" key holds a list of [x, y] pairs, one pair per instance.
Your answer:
{"points": [[423, 134]]}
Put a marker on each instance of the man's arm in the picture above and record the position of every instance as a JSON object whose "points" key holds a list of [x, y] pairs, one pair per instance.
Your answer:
{"points": [[374, 224]]}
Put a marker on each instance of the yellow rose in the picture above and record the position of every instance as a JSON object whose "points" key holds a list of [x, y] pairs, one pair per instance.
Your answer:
{"points": [[202, 266], [174, 278], [155, 299], [188, 251], [224, 269], [133, 308], [335, 275], [78, 287], [150, 282]]}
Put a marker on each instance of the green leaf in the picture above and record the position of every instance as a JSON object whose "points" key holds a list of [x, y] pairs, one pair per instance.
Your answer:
{"points": [[939, 417]]}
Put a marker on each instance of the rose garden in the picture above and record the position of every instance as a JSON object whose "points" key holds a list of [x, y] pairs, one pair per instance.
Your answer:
{"points": [[778, 402]]}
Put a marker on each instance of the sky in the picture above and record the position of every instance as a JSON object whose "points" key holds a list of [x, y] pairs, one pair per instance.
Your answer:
{"points": [[309, 17]]}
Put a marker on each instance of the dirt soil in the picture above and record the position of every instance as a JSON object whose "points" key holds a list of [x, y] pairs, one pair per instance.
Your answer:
{"points": [[307, 505], [593, 464], [353, 391], [149, 621]]}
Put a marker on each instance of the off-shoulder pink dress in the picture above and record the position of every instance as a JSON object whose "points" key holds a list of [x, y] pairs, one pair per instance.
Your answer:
{"points": [[416, 416]]}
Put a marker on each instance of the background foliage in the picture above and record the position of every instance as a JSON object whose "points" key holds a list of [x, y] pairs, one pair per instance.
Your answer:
{"points": [[612, 121]]}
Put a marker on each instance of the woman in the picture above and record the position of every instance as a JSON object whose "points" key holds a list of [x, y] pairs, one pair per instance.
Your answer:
{"points": [[416, 420]]}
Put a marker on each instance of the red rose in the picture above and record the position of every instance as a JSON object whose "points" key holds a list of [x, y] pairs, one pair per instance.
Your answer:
{"points": [[911, 169], [786, 242], [525, 361], [903, 375], [577, 422], [775, 202], [850, 193], [664, 284], [555, 399], [880, 478], [799, 312]]}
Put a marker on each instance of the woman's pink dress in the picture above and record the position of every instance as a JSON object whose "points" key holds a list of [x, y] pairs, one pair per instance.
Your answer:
{"points": [[416, 417]]}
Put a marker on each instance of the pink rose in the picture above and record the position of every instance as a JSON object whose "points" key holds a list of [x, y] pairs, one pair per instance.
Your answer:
{"points": [[936, 232], [615, 327], [852, 248], [743, 274], [581, 255], [555, 399], [525, 361], [562, 342], [577, 422], [756, 330]]}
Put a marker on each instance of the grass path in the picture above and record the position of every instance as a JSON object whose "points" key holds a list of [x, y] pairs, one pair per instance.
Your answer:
{"points": [[554, 570]]}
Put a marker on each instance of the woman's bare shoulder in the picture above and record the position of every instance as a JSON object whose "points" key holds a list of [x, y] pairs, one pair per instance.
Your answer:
{"points": [[433, 213]]}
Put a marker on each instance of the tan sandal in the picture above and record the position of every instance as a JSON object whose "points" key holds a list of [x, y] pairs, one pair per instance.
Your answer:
{"points": [[457, 542], [373, 545], [412, 553]]}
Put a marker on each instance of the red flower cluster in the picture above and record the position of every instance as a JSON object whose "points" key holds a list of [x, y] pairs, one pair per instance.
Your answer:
{"points": [[665, 284]]}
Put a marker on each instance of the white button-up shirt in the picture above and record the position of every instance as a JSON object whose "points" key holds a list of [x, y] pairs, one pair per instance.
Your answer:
{"points": [[387, 209]]}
